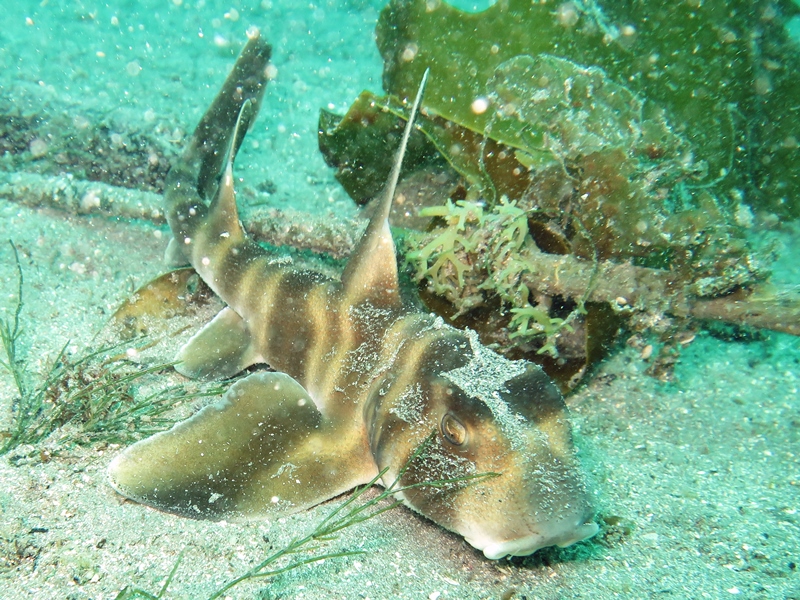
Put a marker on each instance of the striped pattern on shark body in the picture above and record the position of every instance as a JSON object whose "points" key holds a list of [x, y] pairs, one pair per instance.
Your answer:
{"points": [[361, 378]]}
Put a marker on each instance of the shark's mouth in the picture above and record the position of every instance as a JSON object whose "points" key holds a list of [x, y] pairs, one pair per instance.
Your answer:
{"points": [[531, 543]]}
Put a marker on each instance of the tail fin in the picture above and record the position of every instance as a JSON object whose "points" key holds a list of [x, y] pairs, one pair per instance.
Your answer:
{"points": [[195, 177]]}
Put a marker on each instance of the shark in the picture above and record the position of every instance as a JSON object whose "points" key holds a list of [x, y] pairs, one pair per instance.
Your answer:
{"points": [[360, 378]]}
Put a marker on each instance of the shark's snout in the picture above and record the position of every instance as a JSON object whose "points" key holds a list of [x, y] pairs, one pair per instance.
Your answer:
{"points": [[562, 533], [522, 533]]}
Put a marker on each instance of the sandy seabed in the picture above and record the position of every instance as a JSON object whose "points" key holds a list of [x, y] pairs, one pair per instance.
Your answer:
{"points": [[697, 480]]}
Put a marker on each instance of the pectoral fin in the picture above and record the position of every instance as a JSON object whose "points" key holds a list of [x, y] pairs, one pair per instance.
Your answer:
{"points": [[221, 349], [264, 448]]}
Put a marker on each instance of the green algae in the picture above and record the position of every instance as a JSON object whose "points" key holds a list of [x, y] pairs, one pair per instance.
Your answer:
{"points": [[724, 73], [96, 396], [594, 148], [477, 259]]}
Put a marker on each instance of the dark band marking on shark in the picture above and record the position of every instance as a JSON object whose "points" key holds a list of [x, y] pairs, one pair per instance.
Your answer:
{"points": [[361, 380]]}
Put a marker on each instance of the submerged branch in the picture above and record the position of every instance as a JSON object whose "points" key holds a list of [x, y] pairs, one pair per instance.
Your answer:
{"points": [[643, 289], [629, 288], [328, 233], [778, 311]]}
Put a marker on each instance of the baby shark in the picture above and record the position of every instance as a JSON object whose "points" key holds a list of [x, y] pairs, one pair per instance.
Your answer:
{"points": [[361, 379]]}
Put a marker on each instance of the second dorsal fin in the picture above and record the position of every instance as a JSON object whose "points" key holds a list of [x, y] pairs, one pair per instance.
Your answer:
{"points": [[371, 272], [223, 215]]}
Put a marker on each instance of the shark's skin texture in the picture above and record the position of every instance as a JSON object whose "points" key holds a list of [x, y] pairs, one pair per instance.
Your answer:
{"points": [[361, 380]]}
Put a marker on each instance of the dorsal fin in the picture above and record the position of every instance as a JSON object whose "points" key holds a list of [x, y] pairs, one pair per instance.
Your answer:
{"points": [[223, 214], [371, 272]]}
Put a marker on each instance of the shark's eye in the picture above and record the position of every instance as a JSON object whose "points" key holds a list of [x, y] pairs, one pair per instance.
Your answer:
{"points": [[453, 430]]}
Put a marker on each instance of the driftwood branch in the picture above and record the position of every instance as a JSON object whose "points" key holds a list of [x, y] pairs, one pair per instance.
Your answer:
{"points": [[640, 289], [328, 233], [625, 287], [775, 311], [79, 197]]}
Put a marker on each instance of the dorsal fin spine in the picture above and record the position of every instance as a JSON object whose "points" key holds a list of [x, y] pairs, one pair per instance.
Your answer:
{"points": [[394, 176], [223, 213], [371, 271]]}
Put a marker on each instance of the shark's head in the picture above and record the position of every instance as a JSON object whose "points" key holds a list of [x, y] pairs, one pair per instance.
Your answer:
{"points": [[489, 415]]}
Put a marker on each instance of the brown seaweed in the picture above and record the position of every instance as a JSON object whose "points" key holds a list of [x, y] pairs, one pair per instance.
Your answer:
{"points": [[572, 137]]}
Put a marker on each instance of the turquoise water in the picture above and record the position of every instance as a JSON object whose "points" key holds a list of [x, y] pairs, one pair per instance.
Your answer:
{"points": [[696, 479]]}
